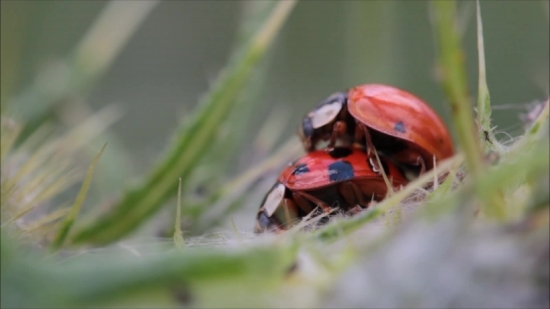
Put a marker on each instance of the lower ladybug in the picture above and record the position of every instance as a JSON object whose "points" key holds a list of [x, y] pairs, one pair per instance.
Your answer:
{"points": [[393, 121], [338, 178]]}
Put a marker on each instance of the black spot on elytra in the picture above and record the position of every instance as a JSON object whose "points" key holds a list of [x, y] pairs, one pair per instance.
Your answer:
{"points": [[340, 171], [300, 169], [340, 152], [400, 127]]}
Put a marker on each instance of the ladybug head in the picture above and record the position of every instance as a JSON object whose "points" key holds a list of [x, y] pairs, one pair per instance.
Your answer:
{"points": [[325, 113]]}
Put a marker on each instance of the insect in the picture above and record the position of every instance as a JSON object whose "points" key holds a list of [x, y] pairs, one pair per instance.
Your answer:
{"points": [[340, 177], [378, 117]]}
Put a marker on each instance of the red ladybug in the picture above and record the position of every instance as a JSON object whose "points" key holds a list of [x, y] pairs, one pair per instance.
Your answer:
{"points": [[395, 122], [340, 177]]}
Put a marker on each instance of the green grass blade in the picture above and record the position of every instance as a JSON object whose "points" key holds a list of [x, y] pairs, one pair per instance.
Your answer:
{"points": [[178, 235], [451, 61], [483, 98], [190, 142], [10, 132], [111, 277], [75, 209]]}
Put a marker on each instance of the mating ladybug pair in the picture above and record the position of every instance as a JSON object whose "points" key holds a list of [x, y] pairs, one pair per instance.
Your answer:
{"points": [[351, 126]]}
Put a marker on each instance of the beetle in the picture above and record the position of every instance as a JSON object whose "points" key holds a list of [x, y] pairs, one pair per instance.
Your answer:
{"points": [[381, 118], [341, 177]]}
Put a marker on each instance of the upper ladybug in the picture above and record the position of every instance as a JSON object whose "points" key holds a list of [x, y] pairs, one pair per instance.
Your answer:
{"points": [[396, 123], [340, 177]]}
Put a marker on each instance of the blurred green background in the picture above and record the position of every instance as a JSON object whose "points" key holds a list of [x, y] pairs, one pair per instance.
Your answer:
{"points": [[325, 46]]}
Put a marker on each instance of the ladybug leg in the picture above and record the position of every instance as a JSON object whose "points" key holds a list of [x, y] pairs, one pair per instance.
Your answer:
{"points": [[302, 199], [339, 129], [361, 131], [411, 157], [353, 196], [302, 203], [290, 212]]}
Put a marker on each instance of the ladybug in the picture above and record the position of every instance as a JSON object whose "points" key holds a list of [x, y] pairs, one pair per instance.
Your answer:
{"points": [[374, 116], [338, 178]]}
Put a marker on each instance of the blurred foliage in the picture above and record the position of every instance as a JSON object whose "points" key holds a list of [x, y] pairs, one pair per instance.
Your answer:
{"points": [[429, 245]]}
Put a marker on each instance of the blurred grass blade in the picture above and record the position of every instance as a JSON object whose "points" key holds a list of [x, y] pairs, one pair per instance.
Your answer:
{"points": [[111, 277], [178, 235], [190, 142], [75, 209], [451, 61], [60, 183], [118, 21], [343, 228], [10, 132], [64, 146], [464, 16], [483, 98], [235, 130], [59, 213], [116, 24]]}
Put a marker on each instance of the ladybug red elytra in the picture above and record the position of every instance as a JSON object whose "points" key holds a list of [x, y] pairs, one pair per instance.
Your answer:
{"points": [[393, 121], [340, 177]]}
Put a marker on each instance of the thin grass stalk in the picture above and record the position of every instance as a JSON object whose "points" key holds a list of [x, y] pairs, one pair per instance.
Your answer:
{"points": [[178, 234], [76, 73], [451, 61], [75, 209], [483, 98]]}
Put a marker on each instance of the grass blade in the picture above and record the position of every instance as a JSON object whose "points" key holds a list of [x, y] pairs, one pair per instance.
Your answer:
{"points": [[112, 29], [451, 61], [178, 235], [483, 98], [75, 209], [190, 143]]}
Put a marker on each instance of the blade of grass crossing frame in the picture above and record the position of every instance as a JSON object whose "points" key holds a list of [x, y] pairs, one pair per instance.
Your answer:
{"points": [[69, 220], [178, 235], [10, 132], [451, 60], [483, 98], [227, 148], [190, 142], [76, 73]]}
